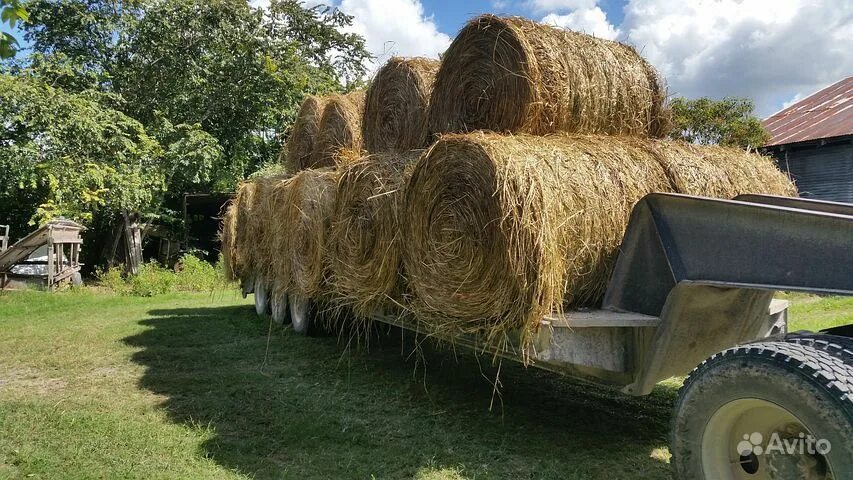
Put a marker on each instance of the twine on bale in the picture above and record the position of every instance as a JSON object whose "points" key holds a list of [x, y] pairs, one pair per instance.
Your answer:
{"points": [[502, 230], [515, 75], [339, 128], [366, 242], [303, 135], [396, 104]]}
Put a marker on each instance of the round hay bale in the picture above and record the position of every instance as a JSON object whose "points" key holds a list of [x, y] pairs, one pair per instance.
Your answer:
{"points": [[396, 104], [720, 172], [271, 260], [365, 245], [339, 128], [515, 75], [302, 138], [308, 217], [501, 230], [227, 238], [243, 232]]}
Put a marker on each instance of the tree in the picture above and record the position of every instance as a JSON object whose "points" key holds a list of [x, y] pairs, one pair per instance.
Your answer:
{"points": [[236, 71], [128, 104], [729, 122], [66, 154], [11, 13]]}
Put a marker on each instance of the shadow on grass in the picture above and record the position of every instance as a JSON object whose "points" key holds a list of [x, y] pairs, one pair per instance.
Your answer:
{"points": [[296, 407]]}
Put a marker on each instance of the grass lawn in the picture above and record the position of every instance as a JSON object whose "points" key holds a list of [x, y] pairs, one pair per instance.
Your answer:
{"points": [[190, 386]]}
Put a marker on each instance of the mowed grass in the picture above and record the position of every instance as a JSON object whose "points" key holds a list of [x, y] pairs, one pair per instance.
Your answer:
{"points": [[197, 386]]}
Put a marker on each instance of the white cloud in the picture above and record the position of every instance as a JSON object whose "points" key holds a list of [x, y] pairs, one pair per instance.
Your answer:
{"points": [[767, 51], [389, 27], [395, 27], [559, 5], [589, 20]]}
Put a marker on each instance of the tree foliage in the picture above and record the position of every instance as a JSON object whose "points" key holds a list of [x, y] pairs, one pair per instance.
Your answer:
{"points": [[729, 122], [95, 158], [11, 13], [128, 104]]}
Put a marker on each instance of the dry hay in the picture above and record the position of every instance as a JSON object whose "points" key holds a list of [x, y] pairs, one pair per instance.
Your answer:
{"points": [[721, 172], [396, 104], [501, 230], [302, 138], [365, 244], [308, 216], [515, 75], [339, 128], [227, 238], [271, 261], [243, 232]]}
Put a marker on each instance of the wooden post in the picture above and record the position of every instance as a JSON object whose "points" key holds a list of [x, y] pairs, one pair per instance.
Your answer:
{"points": [[50, 254], [4, 238], [133, 244]]}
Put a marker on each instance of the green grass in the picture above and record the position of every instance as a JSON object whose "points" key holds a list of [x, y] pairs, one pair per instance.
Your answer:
{"points": [[189, 386]]}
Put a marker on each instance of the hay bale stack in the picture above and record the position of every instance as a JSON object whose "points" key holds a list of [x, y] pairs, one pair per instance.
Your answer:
{"points": [[501, 230], [515, 75], [339, 128], [302, 139], [396, 104], [227, 238], [307, 218], [365, 247]]}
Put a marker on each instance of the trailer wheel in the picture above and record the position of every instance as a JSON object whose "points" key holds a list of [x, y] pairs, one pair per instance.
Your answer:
{"points": [[300, 314], [262, 305], [772, 410], [278, 306]]}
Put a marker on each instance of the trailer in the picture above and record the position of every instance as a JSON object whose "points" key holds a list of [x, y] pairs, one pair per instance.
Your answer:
{"points": [[692, 293]]}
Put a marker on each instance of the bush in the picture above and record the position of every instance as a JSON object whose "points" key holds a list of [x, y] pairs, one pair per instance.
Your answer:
{"points": [[191, 275], [151, 280], [196, 275]]}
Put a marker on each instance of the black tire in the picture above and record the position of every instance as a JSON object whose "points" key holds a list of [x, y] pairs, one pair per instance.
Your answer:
{"points": [[835, 345], [803, 382]]}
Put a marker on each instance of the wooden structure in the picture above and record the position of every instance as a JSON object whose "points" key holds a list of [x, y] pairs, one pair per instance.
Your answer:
{"points": [[4, 237], [63, 241]]}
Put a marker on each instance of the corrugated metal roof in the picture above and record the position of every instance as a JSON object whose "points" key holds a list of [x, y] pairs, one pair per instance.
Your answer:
{"points": [[826, 113]]}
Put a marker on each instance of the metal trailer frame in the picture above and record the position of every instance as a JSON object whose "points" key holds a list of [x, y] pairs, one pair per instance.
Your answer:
{"points": [[694, 276]]}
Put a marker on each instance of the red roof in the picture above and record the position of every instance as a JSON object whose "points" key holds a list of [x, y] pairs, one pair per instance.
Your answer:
{"points": [[826, 113]]}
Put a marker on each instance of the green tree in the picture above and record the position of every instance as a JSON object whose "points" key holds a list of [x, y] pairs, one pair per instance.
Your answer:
{"points": [[11, 13], [66, 154], [729, 122], [237, 72]]}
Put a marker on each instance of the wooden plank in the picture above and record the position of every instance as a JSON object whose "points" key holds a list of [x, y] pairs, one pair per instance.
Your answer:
{"points": [[599, 318]]}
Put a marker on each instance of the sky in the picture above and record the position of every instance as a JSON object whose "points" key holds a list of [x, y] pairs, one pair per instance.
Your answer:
{"points": [[773, 51]]}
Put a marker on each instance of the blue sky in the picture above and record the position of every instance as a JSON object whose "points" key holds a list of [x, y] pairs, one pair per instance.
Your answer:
{"points": [[451, 15]]}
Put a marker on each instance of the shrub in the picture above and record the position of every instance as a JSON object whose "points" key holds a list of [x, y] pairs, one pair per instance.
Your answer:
{"points": [[191, 275]]}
